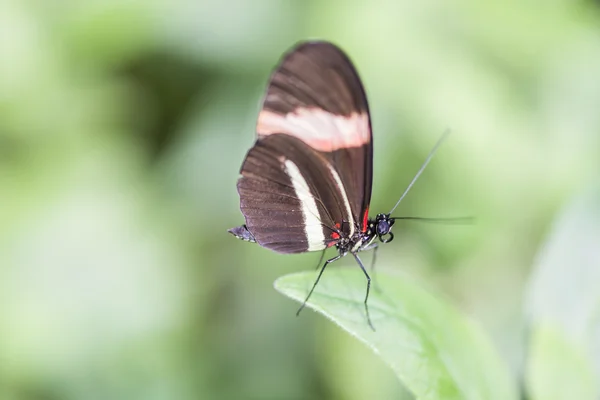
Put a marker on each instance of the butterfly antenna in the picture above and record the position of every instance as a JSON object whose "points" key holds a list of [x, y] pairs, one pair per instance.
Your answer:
{"points": [[451, 221], [429, 157]]}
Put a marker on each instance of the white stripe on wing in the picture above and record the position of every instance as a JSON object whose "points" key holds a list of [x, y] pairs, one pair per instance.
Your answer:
{"points": [[342, 190], [313, 228]]}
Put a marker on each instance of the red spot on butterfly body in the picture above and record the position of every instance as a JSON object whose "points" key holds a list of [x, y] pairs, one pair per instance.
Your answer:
{"points": [[365, 220], [335, 235]]}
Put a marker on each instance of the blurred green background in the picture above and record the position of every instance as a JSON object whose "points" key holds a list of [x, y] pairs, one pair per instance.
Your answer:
{"points": [[123, 125]]}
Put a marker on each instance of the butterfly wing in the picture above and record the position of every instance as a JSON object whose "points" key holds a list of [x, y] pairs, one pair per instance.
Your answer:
{"points": [[306, 182]]}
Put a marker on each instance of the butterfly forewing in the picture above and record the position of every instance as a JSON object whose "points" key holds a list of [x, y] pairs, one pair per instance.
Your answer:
{"points": [[307, 179]]}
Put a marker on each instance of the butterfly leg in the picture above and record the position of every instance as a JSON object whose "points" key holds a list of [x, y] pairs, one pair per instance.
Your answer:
{"points": [[321, 259], [317, 281], [375, 285], [373, 246], [368, 289]]}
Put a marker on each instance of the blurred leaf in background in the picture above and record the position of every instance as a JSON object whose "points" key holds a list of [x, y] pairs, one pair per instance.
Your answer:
{"points": [[122, 128], [563, 306]]}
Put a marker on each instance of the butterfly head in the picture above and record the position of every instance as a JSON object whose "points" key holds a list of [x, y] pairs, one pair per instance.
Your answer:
{"points": [[383, 226]]}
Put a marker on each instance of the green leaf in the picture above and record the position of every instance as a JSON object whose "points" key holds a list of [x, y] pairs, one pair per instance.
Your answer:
{"points": [[563, 306], [436, 352]]}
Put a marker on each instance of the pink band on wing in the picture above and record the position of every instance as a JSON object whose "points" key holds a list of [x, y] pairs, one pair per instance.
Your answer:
{"points": [[317, 128]]}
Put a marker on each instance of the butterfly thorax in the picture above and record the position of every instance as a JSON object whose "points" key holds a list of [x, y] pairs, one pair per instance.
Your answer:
{"points": [[376, 228]]}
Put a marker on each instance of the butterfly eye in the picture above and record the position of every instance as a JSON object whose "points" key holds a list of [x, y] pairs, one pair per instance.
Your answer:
{"points": [[383, 227]]}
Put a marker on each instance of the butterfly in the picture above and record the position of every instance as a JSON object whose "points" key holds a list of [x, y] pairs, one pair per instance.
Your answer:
{"points": [[306, 181]]}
